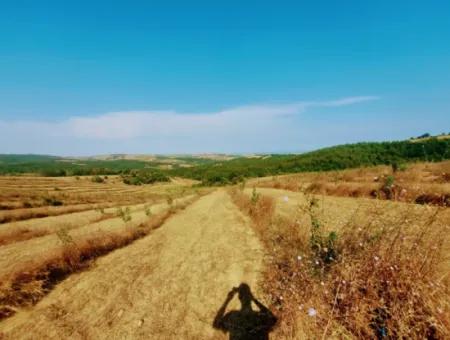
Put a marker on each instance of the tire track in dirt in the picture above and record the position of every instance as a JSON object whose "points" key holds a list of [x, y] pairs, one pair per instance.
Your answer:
{"points": [[168, 285]]}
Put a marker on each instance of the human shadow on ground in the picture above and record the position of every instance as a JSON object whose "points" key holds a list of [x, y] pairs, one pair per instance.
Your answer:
{"points": [[246, 323]]}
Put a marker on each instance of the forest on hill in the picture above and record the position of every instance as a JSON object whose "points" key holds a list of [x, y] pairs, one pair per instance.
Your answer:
{"points": [[332, 158], [220, 172]]}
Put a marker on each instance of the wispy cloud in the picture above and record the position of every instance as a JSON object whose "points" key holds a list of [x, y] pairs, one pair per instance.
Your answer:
{"points": [[130, 124], [171, 130]]}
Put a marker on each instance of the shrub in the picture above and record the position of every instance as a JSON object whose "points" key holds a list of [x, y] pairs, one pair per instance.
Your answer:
{"points": [[388, 187], [323, 247], [97, 179], [148, 210], [255, 197], [145, 177], [53, 201], [124, 214], [394, 166]]}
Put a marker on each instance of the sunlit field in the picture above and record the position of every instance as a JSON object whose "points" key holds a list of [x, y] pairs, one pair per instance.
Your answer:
{"points": [[335, 260]]}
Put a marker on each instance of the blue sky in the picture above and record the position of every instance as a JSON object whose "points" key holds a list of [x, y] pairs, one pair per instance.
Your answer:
{"points": [[90, 77]]}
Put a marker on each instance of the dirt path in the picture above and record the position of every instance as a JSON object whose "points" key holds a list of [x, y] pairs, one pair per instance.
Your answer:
{"points": [[168, 285]]}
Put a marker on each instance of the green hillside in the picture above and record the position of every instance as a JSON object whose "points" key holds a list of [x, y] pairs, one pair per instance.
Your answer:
{"points": [[214, 172], [332, 158]]}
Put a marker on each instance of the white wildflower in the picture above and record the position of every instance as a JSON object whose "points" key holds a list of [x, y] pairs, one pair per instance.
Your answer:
{"points": [[286, 199], [299, 258], [312, 312]]}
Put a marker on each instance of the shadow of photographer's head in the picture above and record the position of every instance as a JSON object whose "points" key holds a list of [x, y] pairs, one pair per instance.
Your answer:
{"points": [[245, 295]]}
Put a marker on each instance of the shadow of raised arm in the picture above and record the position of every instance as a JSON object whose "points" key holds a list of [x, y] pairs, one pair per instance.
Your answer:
{"points": [[219, 319]]}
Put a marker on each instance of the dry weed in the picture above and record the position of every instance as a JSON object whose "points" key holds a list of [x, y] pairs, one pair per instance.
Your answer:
{"points": [[378, 278]]}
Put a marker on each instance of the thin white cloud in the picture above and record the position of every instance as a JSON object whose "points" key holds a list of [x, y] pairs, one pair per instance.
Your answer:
{"points": [[179, 132], [346, 101], [131, 124]]}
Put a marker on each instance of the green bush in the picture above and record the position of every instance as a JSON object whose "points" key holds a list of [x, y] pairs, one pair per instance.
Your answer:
{"points": [[145, 177], [124, 214], [324, 247], [255, 197], [97, 179], [148, 210]]}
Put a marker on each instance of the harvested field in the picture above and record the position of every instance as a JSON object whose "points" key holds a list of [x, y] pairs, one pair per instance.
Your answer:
{"points": [[67, 249], [172, 270], [24, 197], [168, 285], [422, 183]]}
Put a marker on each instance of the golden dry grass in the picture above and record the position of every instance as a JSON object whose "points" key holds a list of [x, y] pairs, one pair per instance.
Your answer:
{"points": [[28, 229], [34, 197], [37, 278], [336, 267], [167, 285], [424, 183], [25, 214], [383, 272]]}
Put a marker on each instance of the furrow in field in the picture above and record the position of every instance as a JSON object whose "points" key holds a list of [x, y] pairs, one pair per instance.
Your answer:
{"points": [[16, 257], [24, 230], [168, 285], [29, 282], [45, 211]]}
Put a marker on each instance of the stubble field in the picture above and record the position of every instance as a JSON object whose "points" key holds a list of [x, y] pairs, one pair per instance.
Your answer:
{"points": [[86, 260]]}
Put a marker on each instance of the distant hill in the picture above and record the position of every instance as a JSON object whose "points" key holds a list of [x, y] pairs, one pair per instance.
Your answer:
{"points": [[20, 158], [225, 169], [102, 164], [162, 158], [332, 158]]}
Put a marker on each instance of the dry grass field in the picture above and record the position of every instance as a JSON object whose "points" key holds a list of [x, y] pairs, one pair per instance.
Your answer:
{"points": [[341, 267], [31, 197], [40, 246], [158, 261], [423, 183]]}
